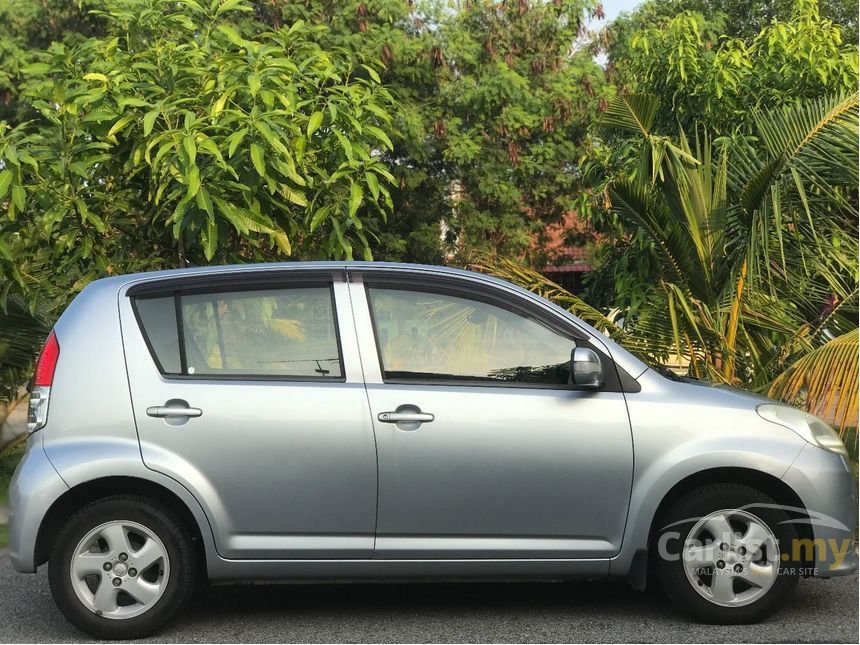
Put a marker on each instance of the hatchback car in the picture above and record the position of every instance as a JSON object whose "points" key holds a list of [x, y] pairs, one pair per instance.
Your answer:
{"points": [[371, 421]]}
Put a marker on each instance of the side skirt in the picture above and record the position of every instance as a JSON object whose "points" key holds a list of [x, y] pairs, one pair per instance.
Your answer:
{"points": [[220, 570]]}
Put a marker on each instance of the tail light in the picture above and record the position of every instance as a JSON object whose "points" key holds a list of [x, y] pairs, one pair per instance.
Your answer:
{"points": [[43, 377]]}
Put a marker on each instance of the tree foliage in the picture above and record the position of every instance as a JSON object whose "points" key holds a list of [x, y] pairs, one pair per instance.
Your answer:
{"points": [[516, 93], [177, 138], [703, 76], [404, 37], [703, 72]]}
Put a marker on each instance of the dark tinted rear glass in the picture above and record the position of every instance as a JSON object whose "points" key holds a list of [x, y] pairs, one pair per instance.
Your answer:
{"points": [[158, 317]]}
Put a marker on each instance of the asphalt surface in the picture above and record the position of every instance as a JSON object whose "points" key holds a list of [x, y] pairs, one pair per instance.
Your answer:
{"points": [[820, 611]]}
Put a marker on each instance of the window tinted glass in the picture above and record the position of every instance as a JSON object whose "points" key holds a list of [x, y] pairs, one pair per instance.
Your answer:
{"points": [[158, 316], [283, 332], [274, 332], [442, 337]]}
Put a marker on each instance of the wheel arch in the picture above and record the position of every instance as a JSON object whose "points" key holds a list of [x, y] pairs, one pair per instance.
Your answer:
{"points": [[90, 491], [769, 484]]}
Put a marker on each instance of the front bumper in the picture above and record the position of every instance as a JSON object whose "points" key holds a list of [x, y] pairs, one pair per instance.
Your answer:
{"points": [[826, 486], [34, 488]]}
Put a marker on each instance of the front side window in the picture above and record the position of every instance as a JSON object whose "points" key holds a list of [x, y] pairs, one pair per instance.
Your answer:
{"points": [[287, 332], [433, 336]]}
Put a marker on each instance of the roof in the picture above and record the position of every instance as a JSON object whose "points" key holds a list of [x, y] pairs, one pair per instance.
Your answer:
{"points": [[327, 265]]}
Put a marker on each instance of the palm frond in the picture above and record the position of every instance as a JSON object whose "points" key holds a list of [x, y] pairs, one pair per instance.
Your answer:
{"points": [[824, 381], [532, 280], [21, 335], [631, 113]]}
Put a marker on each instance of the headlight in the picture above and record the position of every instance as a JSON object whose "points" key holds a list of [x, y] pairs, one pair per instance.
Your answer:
{"points": [[810, 427]]}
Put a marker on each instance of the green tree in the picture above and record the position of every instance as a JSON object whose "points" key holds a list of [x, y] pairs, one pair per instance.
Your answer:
{"points": [[702, 71], [26, 27], [740, 18], [210, 140], [702, 79], [402, 35], [517, 91]]}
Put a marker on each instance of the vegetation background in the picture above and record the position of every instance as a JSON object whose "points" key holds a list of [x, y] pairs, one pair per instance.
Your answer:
{"points": [[703, 151]]}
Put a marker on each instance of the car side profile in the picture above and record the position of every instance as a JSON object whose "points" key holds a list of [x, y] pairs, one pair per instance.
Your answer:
{"points": [[375, 421]]}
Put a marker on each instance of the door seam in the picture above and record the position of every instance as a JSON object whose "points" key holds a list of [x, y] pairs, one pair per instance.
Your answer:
{"points": [[349, 287]]}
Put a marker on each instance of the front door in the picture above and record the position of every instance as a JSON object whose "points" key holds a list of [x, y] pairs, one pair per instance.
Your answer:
{"points": [[485, 448], [250, 396]]}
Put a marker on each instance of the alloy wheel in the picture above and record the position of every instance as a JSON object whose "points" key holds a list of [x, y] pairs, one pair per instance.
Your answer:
{"points": [[731, 558], [119, 569]]}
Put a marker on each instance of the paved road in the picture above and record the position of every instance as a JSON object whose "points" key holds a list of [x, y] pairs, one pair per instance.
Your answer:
{"points": [[821, 611]]}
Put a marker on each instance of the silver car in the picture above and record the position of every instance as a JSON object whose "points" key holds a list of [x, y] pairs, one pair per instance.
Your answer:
{"points": [[371, 421]]}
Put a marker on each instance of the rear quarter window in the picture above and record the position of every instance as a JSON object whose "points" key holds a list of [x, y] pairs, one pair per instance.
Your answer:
{"points": [[157, 317]]}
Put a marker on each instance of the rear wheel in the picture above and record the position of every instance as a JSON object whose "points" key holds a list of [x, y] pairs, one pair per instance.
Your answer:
{"points": [[720, 554], [121, 568]]}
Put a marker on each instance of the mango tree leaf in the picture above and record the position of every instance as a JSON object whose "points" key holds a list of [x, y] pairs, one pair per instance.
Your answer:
{"points": [[380, 135], [257, 157], [210, 238], [5, 182], [149, 121], [355, 195], [19, 197], [314, 122]]}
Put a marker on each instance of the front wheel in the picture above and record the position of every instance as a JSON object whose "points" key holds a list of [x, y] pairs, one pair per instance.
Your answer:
{"points": [[121, 568], [719, 553]]}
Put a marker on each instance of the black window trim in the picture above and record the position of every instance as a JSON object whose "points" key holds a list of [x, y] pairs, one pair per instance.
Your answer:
{"points": [[230, 283], [613, 381]]}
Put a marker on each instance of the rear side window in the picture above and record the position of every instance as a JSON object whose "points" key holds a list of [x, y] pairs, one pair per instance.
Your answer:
{"points": [[284, 332]]}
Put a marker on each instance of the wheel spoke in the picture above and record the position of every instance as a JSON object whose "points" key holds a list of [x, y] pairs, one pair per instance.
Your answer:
{"points": [[149, 554], [85, 564], [142, 591], [699, 557], [719, 527], [722, 587], [759, 575], [755, 536], [105, 597], [116, 537]]}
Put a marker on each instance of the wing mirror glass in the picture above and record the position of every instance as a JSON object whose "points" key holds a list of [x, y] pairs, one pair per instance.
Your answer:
{"points": [[587, 369]]}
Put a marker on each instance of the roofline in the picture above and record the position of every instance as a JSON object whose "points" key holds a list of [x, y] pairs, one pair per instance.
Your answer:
{"points": [[274, 266]]}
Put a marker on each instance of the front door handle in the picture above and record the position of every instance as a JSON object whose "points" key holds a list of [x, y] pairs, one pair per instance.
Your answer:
{"points": [[405, 417], [166, 412]]}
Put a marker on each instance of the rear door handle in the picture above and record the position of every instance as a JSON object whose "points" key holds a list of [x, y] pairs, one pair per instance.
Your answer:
{"points": [[405, 417], [165, 412]]}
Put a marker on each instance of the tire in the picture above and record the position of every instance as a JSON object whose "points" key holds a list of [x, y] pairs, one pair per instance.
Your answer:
{"points": [[723, 592], [120, 533]]}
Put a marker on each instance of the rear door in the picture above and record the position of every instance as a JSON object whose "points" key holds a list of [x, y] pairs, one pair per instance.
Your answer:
{"points": [[485, 448], [247, 388]]}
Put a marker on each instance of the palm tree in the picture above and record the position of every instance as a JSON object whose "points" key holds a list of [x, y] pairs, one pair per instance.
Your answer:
{"points": [[756, 239]]}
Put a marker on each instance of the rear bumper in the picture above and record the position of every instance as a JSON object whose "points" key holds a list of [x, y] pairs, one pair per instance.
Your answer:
{"points": [[826, 486], [34, 488]]}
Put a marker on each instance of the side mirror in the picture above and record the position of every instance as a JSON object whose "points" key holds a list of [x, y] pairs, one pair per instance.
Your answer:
{"points": [[586, 368]]}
